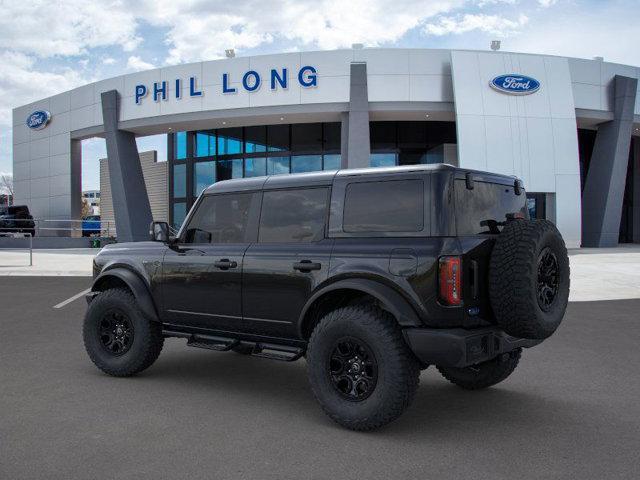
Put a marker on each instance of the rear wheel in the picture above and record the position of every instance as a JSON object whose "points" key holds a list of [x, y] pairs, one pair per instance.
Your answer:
{"points": [[360, 369], [119, 339], [484, 374]]}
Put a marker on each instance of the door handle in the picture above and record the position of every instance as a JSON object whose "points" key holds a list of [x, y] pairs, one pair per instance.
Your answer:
{"points": [[306, 266], [225, 264]]}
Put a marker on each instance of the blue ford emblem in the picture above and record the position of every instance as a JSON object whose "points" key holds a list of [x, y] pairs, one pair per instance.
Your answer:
{"points": [[515, 84], [38, 119]]}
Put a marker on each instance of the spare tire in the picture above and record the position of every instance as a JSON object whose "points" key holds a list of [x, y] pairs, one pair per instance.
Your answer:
{"points": [[529, 278]]}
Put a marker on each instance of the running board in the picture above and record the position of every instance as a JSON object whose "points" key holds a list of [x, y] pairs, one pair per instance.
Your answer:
{"points": [[220, 344], [274, 351]]}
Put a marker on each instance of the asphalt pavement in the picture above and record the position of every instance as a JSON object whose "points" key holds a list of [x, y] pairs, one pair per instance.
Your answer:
{"points": [[571, 410]]}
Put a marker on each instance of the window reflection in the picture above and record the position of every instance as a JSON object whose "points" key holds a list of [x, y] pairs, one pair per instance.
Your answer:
{"points": [[255, 139], [180, 180], [382, 159], [332, 162], [255, 167], [204, 174], [229, 141], [228, 169], [179, 213], [306, 163], [180, 146], [277, 165], [205, 144]]}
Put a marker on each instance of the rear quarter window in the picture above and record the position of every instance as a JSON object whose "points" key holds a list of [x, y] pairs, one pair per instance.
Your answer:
{"points": [[384, 206], [487, 204]]}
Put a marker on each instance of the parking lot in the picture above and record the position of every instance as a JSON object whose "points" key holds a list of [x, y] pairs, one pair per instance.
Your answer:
{"points": [[571, 409]]}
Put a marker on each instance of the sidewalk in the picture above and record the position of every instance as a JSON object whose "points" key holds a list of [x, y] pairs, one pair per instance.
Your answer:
{"points": [[68, 262], [596, 274]]}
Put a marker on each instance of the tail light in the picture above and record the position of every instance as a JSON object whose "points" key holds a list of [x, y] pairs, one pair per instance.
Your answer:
{"points": [[450, 280]]}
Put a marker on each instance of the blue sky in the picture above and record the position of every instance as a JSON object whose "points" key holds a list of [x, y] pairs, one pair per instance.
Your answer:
{"points": [[50, 47]]}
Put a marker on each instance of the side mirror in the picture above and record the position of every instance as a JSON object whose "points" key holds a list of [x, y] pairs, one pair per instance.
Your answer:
{"points": [[159, 232], [518, 187]]}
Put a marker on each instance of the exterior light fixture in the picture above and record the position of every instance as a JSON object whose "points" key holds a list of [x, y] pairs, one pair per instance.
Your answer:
{"points": [[230, 53], [495, 45]]}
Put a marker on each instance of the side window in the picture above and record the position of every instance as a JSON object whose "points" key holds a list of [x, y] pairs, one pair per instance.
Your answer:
{"points": [[293, 215], [220, 219], [390, 206]]}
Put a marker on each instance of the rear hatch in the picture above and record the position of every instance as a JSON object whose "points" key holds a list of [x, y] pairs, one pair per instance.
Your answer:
{"points": [[483, 203]]}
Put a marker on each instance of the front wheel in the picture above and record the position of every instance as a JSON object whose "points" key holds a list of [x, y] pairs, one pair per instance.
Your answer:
{"points": [[360, 369], [485, 374], [119, 339]]}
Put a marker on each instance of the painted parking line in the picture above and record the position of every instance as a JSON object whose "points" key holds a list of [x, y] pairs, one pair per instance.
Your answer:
{"points": [[71, 299]]}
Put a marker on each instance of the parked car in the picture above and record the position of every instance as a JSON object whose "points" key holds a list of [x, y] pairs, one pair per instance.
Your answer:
{"points": [[17, 219], [371, 275], [91, 225]]}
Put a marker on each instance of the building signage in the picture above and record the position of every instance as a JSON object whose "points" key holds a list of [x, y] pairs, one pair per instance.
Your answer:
{"points": [[515, 84], [38, 119], [251, 81]]}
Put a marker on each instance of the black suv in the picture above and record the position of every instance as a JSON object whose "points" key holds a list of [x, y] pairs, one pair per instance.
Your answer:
{"points": [[371, 275], [17, 219]]}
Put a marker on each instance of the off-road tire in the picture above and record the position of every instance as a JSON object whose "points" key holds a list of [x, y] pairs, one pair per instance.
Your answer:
{"points": [[514, 278], [147, 335], [484, 374], [398, 371]]}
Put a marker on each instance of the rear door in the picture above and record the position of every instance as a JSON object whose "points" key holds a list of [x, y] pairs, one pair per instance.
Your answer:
{"points": [[289, 260]]}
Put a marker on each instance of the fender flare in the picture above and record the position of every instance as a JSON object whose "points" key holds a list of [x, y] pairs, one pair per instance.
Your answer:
{"points": [[391, 300], [137, 286]]}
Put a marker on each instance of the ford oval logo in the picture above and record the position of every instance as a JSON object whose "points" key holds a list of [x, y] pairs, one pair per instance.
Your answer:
{"points": [[515, 84], [38, 119]]}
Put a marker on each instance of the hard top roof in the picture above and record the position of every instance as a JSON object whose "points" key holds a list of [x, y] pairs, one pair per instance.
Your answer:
{"points": [[326, 177]]}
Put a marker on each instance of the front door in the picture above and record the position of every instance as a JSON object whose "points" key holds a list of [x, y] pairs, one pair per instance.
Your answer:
{"points": [[202, 271], [290, 259]]}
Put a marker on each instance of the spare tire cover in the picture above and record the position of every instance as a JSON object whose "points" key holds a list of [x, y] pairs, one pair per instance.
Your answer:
{"points": [[529, 278]]}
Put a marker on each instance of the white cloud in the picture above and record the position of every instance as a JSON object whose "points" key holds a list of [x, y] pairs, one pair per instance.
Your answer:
{"points": [[108, 61], [214, 26], [46, 28], [491, 24], [589, 37], [547, 3], [135, 63], [21, 83]]}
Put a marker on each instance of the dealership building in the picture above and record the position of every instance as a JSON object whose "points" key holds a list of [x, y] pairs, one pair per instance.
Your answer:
{"points": [[568, 127]]}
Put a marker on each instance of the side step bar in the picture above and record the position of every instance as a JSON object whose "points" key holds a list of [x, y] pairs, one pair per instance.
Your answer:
{"points": [[273, 351], [211, 342]]}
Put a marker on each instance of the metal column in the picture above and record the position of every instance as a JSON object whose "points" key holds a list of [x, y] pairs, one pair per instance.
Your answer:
{"points": [[604, 187], [129, 193]]}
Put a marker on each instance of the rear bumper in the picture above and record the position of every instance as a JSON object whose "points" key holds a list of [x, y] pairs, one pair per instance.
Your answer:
{"points": [[457, 347]]}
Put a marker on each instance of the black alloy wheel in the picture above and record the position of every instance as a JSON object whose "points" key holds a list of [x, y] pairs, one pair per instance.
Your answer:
{"points": [[353, 369], [116, 333], [548, 281]]}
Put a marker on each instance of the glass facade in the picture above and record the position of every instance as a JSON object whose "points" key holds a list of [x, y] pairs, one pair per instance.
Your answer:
{"points": [[408, 143], [201, 158]]}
